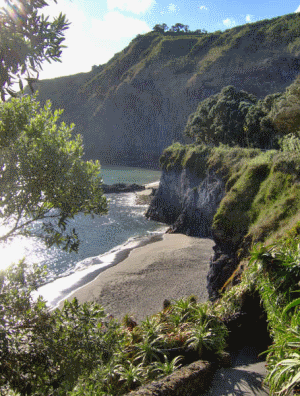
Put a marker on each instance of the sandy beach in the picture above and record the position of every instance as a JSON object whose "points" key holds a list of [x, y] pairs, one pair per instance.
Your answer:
{"points": [[172, 268]]}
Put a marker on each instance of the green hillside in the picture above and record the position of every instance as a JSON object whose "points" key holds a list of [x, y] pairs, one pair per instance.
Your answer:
{"points": [[130, 109]]}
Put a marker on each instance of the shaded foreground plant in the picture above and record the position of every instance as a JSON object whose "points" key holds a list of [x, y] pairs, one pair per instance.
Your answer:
{"points": [[80, 350], [207, 336], [42, 351]]}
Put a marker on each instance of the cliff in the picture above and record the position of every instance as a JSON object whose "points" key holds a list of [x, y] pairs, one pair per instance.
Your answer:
{"points": [[130, 109], [187, 200], [237, 196]]}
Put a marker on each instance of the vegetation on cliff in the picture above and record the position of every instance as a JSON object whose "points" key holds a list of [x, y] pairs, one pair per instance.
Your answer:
{"points": [[79, 349], [160, 78], [258, 218], [238, 118]]}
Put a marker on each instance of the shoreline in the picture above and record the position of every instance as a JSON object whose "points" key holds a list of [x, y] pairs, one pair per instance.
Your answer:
{"points": [[57, 291], [60, 288], [173, 267]]}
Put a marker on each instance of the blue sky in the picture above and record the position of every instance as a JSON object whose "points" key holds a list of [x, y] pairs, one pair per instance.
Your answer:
{"points": [[101, 28]]}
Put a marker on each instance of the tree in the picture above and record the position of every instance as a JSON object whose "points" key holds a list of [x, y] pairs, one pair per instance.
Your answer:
{"points": [[42, 178], [178, 27], [199, 31], [27, 39], [42, 174], [165, 27], [43, 352], [160, 28], [220, 118], [235, 118]]}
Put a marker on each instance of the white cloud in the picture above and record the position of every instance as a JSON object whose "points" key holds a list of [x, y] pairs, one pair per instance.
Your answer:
{"points": [[229, 22], [115, 25], [248, 18], [135, 6], [172, 7], [91, 41], [203, 8], [298, 9]]}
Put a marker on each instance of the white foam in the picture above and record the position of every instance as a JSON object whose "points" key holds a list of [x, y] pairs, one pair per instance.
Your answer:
{"points": [[56, 290]]}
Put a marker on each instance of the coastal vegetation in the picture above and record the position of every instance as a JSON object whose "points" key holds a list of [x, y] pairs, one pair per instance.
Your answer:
{"points": [[258, 218], [43, 177], [253, 144], [81, 350]]}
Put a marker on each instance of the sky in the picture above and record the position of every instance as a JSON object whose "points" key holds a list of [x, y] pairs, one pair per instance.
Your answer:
{"points": [[101, 28]]}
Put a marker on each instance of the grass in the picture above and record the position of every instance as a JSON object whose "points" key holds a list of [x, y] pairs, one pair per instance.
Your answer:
{"points": [[179, 156], [262, 188], [193, 52]]}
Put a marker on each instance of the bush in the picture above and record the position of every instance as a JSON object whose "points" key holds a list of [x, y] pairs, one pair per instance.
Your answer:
{"points": [[41, 350]]}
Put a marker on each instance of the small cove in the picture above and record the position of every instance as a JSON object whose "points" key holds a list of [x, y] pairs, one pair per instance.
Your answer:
{"points": [[104, 239]]}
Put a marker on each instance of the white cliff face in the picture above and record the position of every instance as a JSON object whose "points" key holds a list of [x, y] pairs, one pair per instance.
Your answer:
{"points": [[187, 202]]}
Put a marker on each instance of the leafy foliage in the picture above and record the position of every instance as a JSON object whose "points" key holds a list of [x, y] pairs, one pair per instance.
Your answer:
{"points": [[41, 350], [79, 349], [273, 271], [27, 39], [43, 176], [233, 118]]}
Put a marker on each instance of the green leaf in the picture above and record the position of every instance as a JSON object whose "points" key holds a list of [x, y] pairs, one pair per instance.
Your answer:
{"points": [[292, 304]]}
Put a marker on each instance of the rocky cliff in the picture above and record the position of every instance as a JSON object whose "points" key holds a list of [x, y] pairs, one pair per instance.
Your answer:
{"points": [[237, 196], [133, 107], [187, 202]]}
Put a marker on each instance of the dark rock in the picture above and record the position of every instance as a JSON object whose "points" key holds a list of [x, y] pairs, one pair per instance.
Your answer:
{"points": [[121, 188], [191, 380], [221, 268], [187, 202]]}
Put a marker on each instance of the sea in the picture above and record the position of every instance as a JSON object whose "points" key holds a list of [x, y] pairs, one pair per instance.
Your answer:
{"points": [[104, 240]]}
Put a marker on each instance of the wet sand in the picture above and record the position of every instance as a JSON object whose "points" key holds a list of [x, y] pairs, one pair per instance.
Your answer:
{"points": [[172, 268]]}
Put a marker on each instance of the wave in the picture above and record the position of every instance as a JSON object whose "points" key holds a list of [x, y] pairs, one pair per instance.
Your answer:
{"points": [[88, 269]]}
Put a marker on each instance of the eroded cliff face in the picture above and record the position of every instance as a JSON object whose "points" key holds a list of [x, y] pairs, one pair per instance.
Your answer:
{"points": [[130, 109], [187, 202]]}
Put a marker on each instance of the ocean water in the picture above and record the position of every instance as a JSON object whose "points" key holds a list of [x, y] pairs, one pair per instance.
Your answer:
{"points": [[102, 238]]}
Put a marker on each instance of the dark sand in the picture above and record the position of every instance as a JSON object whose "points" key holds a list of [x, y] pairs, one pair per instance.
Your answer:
{"points": [[173, 268]]}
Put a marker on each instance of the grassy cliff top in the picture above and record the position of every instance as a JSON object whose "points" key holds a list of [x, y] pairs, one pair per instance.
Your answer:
{"points": [[262, 197], [183, 50]]}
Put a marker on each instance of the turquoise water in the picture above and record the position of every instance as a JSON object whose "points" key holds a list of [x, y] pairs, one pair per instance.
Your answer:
{"points": [[101, 237], [116, 174]]}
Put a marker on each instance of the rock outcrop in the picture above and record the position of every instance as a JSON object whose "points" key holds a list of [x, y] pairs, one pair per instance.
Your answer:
{"points": [[187, 202], [121, 188]]}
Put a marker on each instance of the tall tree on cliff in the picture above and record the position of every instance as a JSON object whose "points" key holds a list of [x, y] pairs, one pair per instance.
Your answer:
{"points": [[235, 118]]}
